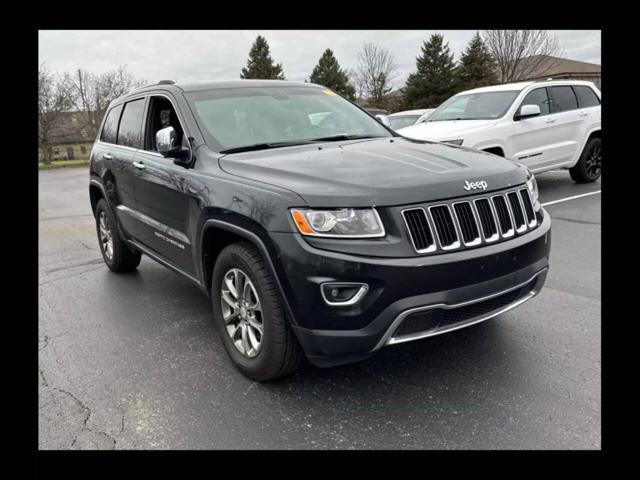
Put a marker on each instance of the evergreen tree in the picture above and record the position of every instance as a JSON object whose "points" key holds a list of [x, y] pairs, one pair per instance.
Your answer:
{"points": [[434, 81], [329, 74], [477, 67], [260, 63]]}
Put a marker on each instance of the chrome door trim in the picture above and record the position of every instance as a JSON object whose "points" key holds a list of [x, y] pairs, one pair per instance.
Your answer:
{"points": [[155, 224]]}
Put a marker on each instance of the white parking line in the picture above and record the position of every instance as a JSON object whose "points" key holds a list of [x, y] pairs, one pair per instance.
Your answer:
{"points": [[571, 198]]}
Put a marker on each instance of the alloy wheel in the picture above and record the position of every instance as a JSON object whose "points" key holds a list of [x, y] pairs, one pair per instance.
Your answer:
{"points": [[593, 164], [106, 236], [242, 312]]}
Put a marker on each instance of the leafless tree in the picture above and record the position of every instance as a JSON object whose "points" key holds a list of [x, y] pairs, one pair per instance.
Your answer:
{"points": [[376, 70], [90, 94], [354, 80], [522, 54], [52, 102]]}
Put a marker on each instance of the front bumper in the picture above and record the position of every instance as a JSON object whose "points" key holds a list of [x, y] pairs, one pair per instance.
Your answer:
{"points": [[408, 298]]}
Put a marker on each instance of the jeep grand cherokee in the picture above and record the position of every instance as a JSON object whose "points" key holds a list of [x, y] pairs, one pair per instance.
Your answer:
{"points": [[316, 231]]}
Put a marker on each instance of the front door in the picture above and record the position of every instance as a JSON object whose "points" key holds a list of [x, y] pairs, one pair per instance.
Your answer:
{"points": [[537, 140], [163, 197]]}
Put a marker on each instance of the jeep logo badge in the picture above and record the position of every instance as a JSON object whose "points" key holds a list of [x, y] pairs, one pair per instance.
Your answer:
{"points": [[475, 185]]}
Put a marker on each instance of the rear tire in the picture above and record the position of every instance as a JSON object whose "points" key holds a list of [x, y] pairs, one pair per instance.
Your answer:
{"points": [[253, 327], [589, 167], [115, 253]]}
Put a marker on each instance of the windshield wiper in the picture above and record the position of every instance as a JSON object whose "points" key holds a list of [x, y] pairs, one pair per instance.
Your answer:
{"points": [[343, 136], [262, 146]]}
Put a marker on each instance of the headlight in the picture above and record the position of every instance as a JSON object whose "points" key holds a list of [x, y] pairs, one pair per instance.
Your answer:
{"points": [[532, 186], [343, 222], [457, 141]]}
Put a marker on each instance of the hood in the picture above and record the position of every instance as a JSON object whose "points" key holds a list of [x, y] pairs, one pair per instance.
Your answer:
{"points": [[375, 172], [444, 130]]}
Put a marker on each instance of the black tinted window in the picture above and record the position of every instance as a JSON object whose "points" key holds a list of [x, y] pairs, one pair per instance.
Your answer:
{"points": [[130, 131], [563, 99], [586, 97], [538, 97], [110, 129]]}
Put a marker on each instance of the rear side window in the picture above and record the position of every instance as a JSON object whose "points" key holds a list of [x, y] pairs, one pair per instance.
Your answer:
{"points": [[538, 97], [130, 131], [586, 97], [563, 99], [110, 128]]}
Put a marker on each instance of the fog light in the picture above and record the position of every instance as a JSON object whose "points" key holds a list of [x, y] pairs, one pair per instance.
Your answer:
{"points": [[343, 293]]}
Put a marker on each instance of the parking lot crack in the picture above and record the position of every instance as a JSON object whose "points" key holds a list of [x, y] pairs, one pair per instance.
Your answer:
{"points": [[87, 414]]}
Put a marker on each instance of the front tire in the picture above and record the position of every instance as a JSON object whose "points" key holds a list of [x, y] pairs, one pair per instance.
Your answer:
{"points": [[249, 315], [115, 253], [589, 167]]}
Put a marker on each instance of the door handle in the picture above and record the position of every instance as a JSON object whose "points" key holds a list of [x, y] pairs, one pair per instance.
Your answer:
{"points": [[139, 165], [583, 114], [106, 156], [550, 120]]}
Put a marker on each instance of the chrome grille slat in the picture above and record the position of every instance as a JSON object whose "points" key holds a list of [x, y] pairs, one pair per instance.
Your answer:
{"points": [[419, 229], [445, 226], [462, 223], [488, 219], [517, 212], [468, 223], [528, 207], [504, 216]]}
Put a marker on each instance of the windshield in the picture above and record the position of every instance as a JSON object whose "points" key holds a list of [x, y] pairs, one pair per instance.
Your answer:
{"points": [[401, 121], [475, 106], [269, 117]]}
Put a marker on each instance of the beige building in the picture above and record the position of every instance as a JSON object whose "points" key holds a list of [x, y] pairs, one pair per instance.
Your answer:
{"points": [[71, 138], [564, 68]]}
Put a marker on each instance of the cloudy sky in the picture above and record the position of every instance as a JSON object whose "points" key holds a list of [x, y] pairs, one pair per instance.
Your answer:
{"points": [[197, 55]]}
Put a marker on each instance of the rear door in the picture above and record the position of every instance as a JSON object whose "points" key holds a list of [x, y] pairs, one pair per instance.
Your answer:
{"points": [[116, 168], [569, 122], [128, 140], [589, 111]]}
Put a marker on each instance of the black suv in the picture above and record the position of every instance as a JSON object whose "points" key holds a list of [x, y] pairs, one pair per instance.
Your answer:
{"points": [[315, 230]]}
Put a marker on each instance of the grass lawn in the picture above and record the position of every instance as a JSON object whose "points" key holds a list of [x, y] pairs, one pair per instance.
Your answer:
{"points": [[63, 164]]}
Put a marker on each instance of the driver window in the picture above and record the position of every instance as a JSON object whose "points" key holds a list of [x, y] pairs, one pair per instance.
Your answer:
{"points": [[537, 97], [161, 115]]}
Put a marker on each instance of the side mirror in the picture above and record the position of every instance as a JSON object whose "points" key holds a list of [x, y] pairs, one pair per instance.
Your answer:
{"points": [[383, 119], [166, 140], [527, 111]]}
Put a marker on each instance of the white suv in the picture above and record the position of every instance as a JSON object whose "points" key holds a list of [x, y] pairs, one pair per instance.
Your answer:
{"points": [[546, 125]]}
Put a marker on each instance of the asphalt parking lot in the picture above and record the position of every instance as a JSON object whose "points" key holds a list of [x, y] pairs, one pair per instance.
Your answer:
{"points": [[133, 361]]}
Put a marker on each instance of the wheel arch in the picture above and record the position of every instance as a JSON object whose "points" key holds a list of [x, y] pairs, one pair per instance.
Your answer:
{"points": [[216, 234], [593, 133], [96, 192]]}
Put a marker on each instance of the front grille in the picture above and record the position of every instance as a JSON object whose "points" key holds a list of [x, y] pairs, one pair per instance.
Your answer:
{"points": [[419, 230], [440, 317], [445, 228], [468, 223], [518, 213], [487, 219], [506, 226], [528, 207]]}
